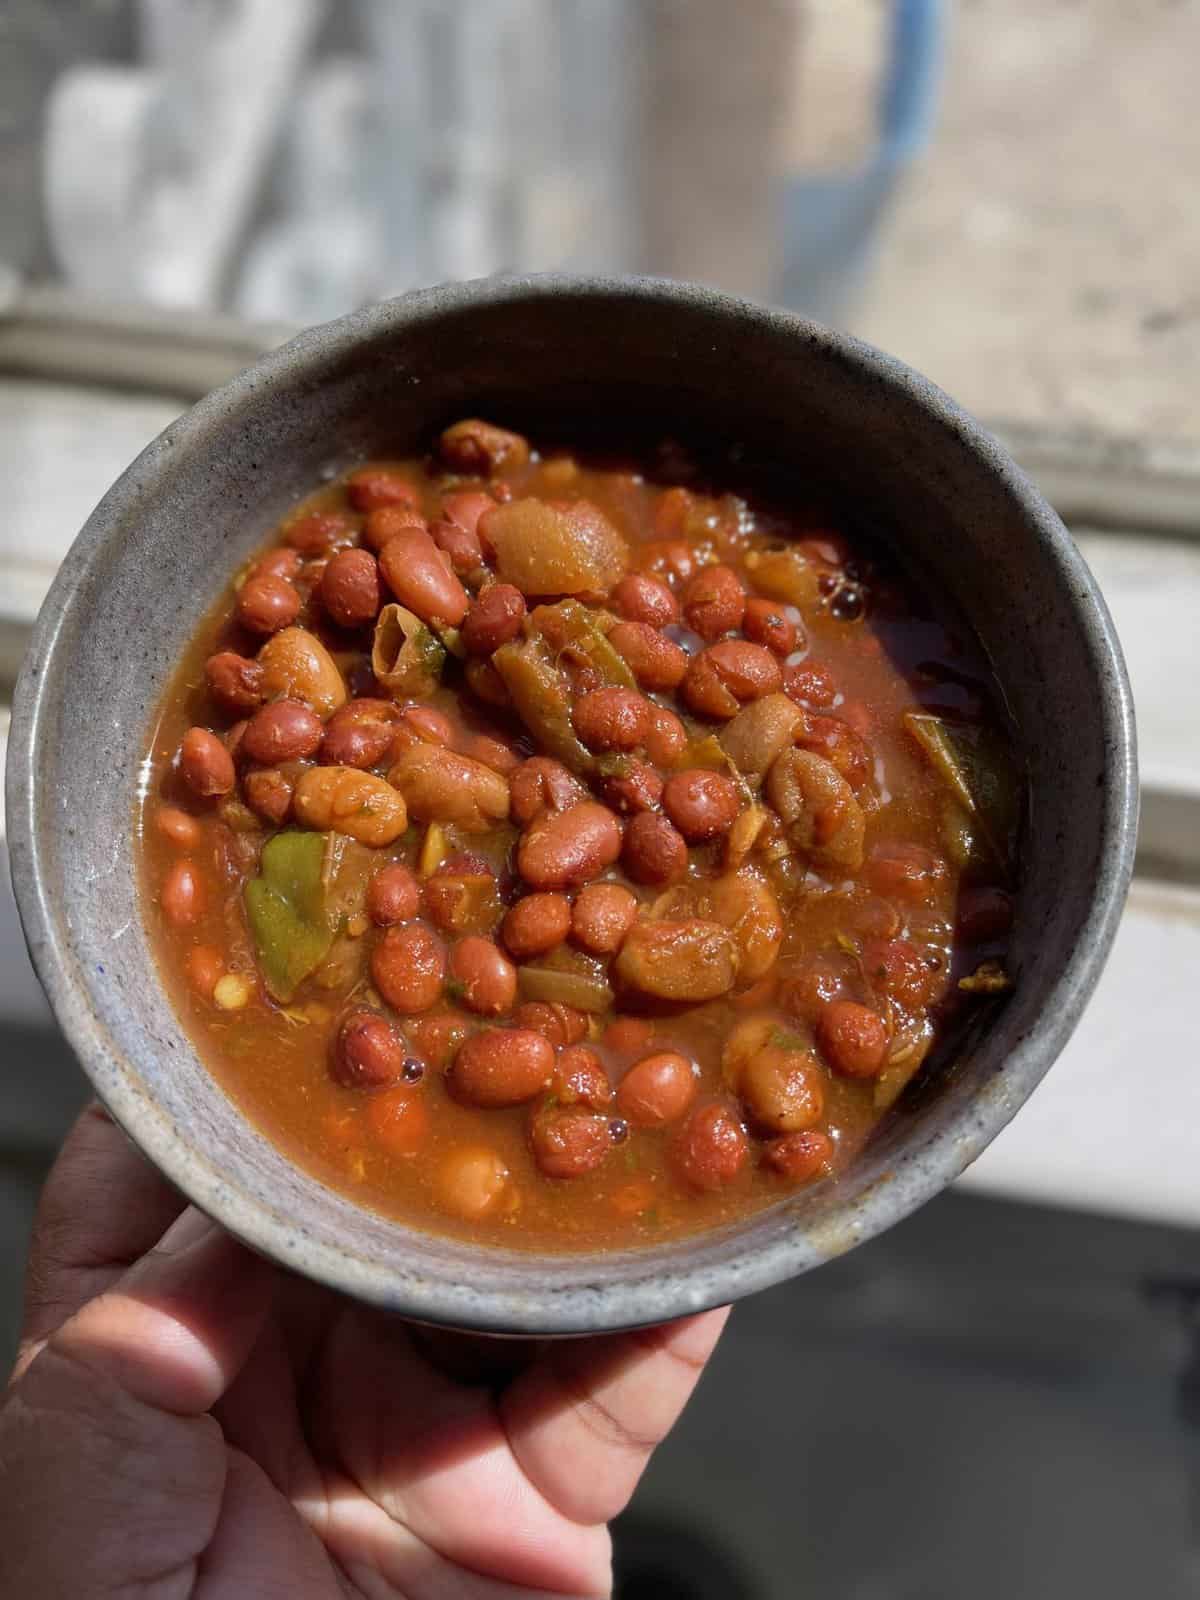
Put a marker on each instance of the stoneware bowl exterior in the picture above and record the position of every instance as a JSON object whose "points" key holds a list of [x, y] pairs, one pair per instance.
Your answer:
{"points": [[163, 543]]}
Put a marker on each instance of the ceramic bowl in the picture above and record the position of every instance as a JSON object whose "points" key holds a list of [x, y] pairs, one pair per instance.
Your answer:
{"points": [[165, 540]]}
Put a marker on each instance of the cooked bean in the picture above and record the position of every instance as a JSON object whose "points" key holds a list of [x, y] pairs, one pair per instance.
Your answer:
{"points": [[465, 507], [713, 601], [295, 663], [422, 579], [422, 725], [360, 734], [628, 1036], [350, 589], [353, 802], [174, 824], [896, 967], [822, 815], [811, 684], [280, 563], [846, 751], [234, 681], [393, 895], [611, 719], [906, 872], [728, 674], [654, 660], [439, 785], [205, 966], [809, 989], [408, 967], [603, 914], [711, 1148], [286, 730], [642, 598], [669, 560], [540, 784], [764, 623], [462, 896], [436, 1039], [372, 487], [367, 1053], [685, 960], [700, 803], [205, 763], [580, 1079], [268, 794], [639, 788], [563, 849], [655, 851], [182, 894], [537, 923], [385, 523], [266, 603], [984, 914], [657, 1089], [472, 1181], [666, 739], [462, 548], [853, 1039], [493, 753], [561, 1025], [569, 1141], [554, 547], [495, 617], [481, 449], [801, 1157], [318, 531], [783, 1089], [501, 1067], [487, 978], [398, 1120]]}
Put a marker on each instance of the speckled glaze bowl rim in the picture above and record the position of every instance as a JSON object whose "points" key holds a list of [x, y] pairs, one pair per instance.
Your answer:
{"points": [[918, 1171]]}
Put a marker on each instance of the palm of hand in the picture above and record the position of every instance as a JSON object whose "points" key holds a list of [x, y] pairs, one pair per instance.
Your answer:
{"points": [[211, 1430]]}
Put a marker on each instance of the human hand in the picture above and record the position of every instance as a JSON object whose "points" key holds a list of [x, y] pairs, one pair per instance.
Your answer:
{"points": [[184, 1420]]}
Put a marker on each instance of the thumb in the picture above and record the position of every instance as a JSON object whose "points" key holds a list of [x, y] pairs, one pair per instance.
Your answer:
{"points": [[114, 1473]]}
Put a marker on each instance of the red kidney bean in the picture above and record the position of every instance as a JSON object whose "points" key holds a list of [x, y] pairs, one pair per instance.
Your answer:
{"points": [[462, 896], [436, 1038], [810, 989], [408, 967], [268, 794], [984, 914], [317, 532], [657, 1090], [700, 803], [372, 487], [611, 719], [281, 563], [907, 872], [367, 1053], [713, 602], [602, 915], [655, 851], [384, 524], [783, 1089], [487, 977], [561, 1025], [205, 967], [810, 684], [563, 849], [462, 547], [853, 1038], [639, 788], [472, 1182], [266, 604], [667, 739], [495, 617], [628, 1036], [205, 763], [765, 623], [670, 560], [421, 725], [580, 1079], [493, 753], [847, 751], [710, 1148], [359, 734], [465, 507], [235, 682], [896, 967], [398, 1120], [421, 578], [653, 659], [286, 730], [182, 894], [729, 674], [800, 1157], [481, 449], [540, 784], [537, 923], [569, 1141], [639, 597], [178, 827], [393, 895], [501, 1067], [350, 588]]}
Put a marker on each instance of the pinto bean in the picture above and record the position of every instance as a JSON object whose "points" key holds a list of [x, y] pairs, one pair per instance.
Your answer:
{"points": [[360, 734], [641, 598], [655, 851], [286, 730], [266, 603], [783, 1089], [372, 487], [439, 785], [268, 794], [296, 664], [393, 895], [181, 895], [501, 1067], [488, 978], [611, 719], [563, 849], [495, 617], [408, 967], [853, 1038], [353, 802], [602, 915], [727, 675], [422, 579], [235, 682], [713, 601], [205, 763], [580, 1079], [540, 784], [657, 1089], [569, 1141], [367, 1052], [691, 959], [481, 449], [561, 1025], [175, 825], [800, 1157], [710, 1148], [383, 524], [655, 661], [700, 803], [764, 622], [537, 923], [350, 588], [472, 1182], [666, 739]]}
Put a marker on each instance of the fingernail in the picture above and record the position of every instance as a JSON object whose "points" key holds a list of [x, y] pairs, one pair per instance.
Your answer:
{"points": [[188, 1229]]}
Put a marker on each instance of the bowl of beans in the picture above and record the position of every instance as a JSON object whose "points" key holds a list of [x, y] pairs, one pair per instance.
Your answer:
{"points": [[551, 803]]}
